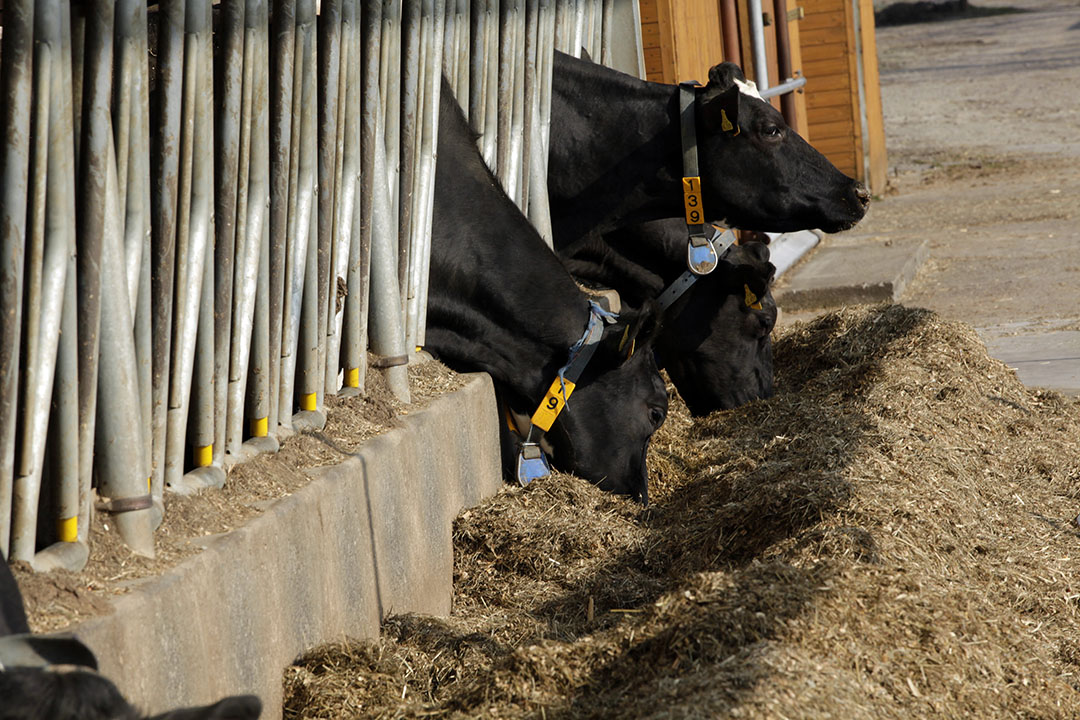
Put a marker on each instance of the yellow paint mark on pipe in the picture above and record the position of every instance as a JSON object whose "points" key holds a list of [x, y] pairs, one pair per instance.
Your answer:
{"points": [[260, 427], [309, 402], [352, 379], [68, 529], [204, 456]]}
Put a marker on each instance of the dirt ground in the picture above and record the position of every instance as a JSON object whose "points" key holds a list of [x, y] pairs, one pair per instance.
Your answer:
{"points": [[982, 120]]}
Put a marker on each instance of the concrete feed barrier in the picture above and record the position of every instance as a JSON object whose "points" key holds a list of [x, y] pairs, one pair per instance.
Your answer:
{"points": [[365, 538]]}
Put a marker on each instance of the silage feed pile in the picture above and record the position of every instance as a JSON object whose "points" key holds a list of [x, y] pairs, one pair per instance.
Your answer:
{"points": [[892, 536]]}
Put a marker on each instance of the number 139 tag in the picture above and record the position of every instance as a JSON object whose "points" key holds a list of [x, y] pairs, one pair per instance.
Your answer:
{"points": [[692, 200]]}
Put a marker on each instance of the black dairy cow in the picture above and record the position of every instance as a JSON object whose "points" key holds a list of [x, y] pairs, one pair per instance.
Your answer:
{"points": [[715, 340], [54, 678], [615, 157], [501, 302]]}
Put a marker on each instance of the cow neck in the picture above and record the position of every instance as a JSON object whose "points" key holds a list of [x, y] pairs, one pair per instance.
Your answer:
{"points": [[603, 115], [500, 301]]}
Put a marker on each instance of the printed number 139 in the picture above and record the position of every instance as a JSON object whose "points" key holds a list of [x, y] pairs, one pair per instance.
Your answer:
{"points": [[692, 200]]}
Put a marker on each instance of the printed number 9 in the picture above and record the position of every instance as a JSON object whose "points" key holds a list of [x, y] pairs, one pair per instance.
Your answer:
{"points": [[695, 216], [552, 403]]}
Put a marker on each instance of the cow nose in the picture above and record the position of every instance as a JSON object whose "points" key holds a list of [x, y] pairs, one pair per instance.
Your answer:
{"points": [[863, 194]]}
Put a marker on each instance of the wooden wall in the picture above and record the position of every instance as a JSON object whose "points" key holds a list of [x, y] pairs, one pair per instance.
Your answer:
{"points": [[681, 39]]}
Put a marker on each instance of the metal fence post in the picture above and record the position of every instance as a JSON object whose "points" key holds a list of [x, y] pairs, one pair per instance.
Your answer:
{"points": [[16, 89]]}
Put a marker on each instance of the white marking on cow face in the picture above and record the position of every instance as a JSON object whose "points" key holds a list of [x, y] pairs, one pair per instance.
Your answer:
{"points": [[748, 88]]}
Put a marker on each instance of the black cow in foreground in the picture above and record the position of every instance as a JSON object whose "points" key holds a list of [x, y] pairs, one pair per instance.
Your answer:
{"points": [[54, 678], [501, 302], [715, 340], [615, 157]]}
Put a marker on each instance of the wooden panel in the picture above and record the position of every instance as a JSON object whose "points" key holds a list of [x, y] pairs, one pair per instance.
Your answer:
{"points": [[835, 146], [650, 35], [834, 114], [827, 131], [826, 51], [829, 67], [802, 126], [695, 30], [647, 10], [654, 66], [667, 40], [828, 98], [875, 121], [819, 81]]}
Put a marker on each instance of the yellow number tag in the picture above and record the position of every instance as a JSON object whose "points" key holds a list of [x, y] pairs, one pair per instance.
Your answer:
{"points": [[692, 200], [551, 405]]}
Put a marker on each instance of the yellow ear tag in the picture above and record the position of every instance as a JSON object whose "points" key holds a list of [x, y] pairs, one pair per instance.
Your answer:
{"points": [[725, 124], [622, 343], [751, 299]]}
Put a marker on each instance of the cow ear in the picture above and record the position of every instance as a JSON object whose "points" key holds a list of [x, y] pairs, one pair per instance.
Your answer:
{"points": [[720, 110], [724, 75], [636, 329]]}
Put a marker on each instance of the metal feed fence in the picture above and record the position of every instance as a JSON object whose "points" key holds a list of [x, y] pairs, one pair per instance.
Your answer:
{"points": [[210, 213]]}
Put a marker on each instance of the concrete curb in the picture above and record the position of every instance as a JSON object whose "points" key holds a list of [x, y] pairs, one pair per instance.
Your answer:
{"points": [[366, 537], [853, 274]]}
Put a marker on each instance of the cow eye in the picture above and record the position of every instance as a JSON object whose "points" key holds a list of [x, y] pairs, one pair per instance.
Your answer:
{"points": [[656, 416], [773, 132]]}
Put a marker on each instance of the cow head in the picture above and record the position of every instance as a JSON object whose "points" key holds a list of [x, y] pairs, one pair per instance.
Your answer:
{"points": [[758, 173], [714, 344], [620, 400]]}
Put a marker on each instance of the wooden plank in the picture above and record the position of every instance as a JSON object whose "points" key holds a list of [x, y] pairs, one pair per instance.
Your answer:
{"points": [[802, 125], [648, 11], [832, 147], [834, 114], [836, 66], [822, 22], [816, 81], [742, 9], [827, 98], [650, 35], [695, 28], [828, 131], [654, 66], [825, 51], [875, 121], [667, 40]]}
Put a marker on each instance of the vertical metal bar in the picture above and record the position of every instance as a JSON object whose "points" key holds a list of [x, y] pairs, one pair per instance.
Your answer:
{"points": [[195, 222], [387, 334], [411, 64], [478, 58], [607, 12], [329, 58], [507, 52], [295, 255], [577, 34], [461, 40], [16, 90], [390, 81], [340, 230], [783, 58], [257, 364], [366, 33], [118, 439], [490, 141], [245, 258], [96, 129], [757, 44], [228, 119], [164, 177], [729, 24], [302, 360], [539, 208], [422, 248], [281, 101], [48, 273], [564, 10], [64, 457], [530, 96]]}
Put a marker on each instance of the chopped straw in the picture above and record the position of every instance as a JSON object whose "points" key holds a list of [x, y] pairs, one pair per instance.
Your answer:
{"points": [[891, 536]]}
